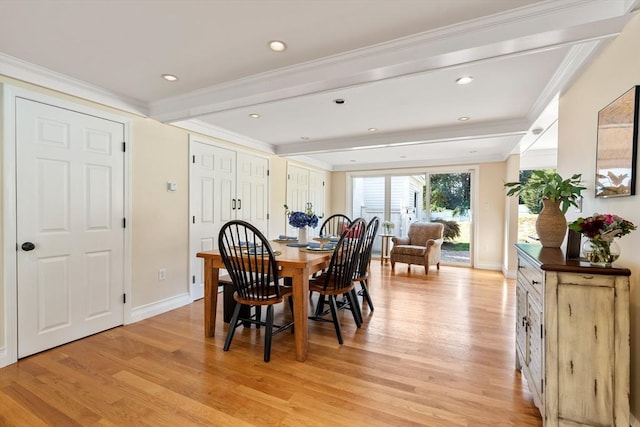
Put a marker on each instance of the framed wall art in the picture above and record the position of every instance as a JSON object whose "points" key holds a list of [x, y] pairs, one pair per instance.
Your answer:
{"points": [[618, 145]]}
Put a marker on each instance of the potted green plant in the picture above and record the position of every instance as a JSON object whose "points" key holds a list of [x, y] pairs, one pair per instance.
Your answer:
{"points": [[387, 226], [556, 194]]}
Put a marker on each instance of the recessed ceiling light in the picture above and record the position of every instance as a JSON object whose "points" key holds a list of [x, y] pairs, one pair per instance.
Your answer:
{"points": [[403, 157], [254, 116], [304, 138], [352, 160], [463, 118], [339, 101], [373, 129], [472, 151], [277, 46], [464, 80], [170, 77]]}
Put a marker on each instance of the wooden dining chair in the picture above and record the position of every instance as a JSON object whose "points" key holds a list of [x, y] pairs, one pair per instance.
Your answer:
{"points": [[337, 280], [252, 267], [361, 275], [334, 225]]}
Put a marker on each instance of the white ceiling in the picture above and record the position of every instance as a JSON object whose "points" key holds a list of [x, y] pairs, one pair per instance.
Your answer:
{"points": [[394, 62]]}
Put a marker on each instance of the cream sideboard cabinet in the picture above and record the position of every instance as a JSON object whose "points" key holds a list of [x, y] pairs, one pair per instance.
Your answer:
{"points": [[572, 338]]}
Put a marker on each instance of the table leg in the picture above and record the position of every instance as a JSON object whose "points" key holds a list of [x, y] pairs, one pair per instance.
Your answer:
{"points": [[210, 297], [300, 313]]}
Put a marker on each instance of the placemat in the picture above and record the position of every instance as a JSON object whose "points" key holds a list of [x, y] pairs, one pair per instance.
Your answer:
{"points": [[316, 250], [297, 245]]}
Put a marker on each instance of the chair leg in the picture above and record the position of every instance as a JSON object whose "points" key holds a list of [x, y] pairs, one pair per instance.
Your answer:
{"points": [[258, 316], [320, 306], [438, 266], [365, 294], [293, 326], [268, 334], [354, 305], [233, 324], [334, 316]]}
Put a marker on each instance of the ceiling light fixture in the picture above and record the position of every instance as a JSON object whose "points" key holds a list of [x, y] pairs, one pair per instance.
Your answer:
{"points": [[277, 46], [254, 116], [464, 80], [170, 77], [372, 129], [304, 138], [463, 118]]}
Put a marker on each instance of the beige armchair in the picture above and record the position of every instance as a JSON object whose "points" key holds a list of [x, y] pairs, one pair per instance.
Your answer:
{"points": [[421, 246]]}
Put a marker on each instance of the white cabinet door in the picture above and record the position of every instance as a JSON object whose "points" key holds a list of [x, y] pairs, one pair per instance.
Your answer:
{"points": [[297, 188], [223, 185], [316, 192], [211, 190], [70, 205], [252, 191], [305, 186]]}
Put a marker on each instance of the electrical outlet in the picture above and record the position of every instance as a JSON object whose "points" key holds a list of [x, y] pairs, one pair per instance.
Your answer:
{"points": [[162, 274]]}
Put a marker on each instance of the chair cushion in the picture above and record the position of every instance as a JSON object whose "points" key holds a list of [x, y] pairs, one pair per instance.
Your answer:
{"points": [[409, 250]]}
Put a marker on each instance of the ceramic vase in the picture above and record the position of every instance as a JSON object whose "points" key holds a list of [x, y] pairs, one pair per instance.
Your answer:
{"points": [[302, 235]]}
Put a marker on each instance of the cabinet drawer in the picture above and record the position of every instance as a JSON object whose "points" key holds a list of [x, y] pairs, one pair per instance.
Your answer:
{"points": [[530, 275], [587, 279]]}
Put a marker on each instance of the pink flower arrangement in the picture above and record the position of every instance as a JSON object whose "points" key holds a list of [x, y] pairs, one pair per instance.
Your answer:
{"points": [[602, 227]]}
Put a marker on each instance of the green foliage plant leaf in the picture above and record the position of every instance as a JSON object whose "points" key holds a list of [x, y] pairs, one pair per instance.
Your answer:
{"points": [[548, 184]]}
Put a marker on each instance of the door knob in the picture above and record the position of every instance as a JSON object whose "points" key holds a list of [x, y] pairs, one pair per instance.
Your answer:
{"points": [[28, 246]]}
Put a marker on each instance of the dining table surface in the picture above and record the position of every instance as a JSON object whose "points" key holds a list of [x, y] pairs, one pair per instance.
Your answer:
{"points": [[297, 263]]}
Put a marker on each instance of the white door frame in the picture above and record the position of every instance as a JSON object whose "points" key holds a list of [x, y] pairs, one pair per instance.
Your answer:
{"points": [[9, 286]]}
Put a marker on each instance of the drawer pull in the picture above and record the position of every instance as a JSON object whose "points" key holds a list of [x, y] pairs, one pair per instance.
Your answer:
{"points": [[535, 282]]}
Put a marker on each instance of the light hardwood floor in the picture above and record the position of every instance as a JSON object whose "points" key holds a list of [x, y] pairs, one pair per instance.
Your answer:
{"points": [[437, 351]]}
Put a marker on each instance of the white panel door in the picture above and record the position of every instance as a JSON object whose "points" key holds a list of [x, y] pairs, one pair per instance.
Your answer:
{"points": [[297, 188], [252, 189], [70, 206], [211, 201], [316, 191]]}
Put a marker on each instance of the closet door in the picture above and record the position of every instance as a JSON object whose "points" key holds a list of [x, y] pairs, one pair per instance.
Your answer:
{"points": [[211, 194], [252, 190], [297, 188], [70, 210]]}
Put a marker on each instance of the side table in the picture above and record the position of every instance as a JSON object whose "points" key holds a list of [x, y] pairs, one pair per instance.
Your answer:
{"points": [[386, 247]]}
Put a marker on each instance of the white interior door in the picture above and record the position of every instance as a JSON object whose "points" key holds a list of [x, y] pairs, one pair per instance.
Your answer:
{"points": [[211, 197], [252, 188], [70, 208]]}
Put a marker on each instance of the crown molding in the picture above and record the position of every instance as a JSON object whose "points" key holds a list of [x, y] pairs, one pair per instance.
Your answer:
{"points": [[516, 127], [210, 130], [40, 76], [462, 160]]}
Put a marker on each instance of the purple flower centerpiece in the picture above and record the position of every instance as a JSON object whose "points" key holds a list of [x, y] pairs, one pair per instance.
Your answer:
{"points": [[302, 220], [601, 230]]}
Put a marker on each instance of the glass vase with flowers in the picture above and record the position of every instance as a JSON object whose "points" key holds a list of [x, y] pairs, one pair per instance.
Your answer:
{"points": [[600, 248]]}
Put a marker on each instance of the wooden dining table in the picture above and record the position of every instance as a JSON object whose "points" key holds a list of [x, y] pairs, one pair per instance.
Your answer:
{"points": [[293, 263]]}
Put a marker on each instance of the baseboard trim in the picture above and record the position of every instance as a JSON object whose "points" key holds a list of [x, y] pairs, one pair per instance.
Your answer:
{"points": [[5, 359], [159, 307], [488, 266], [508, 273]]}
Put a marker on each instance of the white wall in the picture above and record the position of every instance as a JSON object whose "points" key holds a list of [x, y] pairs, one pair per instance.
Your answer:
{"points": [[615, 71], [160, 219]]}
